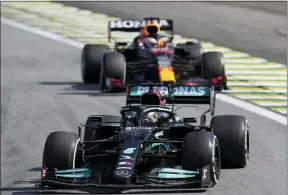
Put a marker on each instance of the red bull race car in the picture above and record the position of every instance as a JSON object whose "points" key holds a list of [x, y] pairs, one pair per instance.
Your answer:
{"points": [[151, 57]]}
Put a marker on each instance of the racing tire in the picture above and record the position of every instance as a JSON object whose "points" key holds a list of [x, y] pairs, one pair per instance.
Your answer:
{"points": [[232, 132], [213, 67], [197, 153], [113, 66], [60, 152], [91, 62], [90, 133]]}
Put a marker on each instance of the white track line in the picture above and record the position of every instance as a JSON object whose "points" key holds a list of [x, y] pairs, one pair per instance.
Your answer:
{"points": [[222, 97]]}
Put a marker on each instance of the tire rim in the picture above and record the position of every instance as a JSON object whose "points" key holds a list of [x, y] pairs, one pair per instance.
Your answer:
{"points": [[216, 164]]}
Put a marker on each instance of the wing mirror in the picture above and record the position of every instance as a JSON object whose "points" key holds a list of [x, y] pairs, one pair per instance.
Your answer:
{"points": [[190, 120]]}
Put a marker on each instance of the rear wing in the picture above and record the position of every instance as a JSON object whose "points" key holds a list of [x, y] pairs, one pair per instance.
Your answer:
{"points": [[180, 94], [136, 25]]}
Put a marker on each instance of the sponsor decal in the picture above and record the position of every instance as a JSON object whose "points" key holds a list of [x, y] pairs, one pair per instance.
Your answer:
{"points": [[74, 175], [159, 134], [73, 170], [126, 163], [177, 91], [170, 170], [136, 24], [129, 151], [124, 157], [122, 172], [173, 176], [204, 174]]}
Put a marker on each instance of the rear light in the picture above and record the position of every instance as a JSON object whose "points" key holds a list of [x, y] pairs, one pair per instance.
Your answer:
{"points": [[43, 172], [217, 79], [214, 81], [115, 82]]}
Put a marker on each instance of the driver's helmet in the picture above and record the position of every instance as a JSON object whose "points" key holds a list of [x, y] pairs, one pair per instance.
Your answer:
{"points": [[151, 98], [151, 29], [152, 40]]}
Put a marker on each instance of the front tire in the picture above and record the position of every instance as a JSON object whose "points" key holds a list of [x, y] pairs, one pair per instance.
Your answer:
{"points": [[200, 149], [232, 132], [60, 152]]}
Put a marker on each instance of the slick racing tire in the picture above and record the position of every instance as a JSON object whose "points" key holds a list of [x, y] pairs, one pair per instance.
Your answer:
{"points": [[60, 152], [200, 149], [113, 67], [92, 62], [213, 67], [232, 132], [90, 133]]}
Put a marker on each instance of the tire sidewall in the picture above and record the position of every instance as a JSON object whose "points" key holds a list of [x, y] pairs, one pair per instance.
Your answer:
{"points": [[213, 66], [204, 157], [233, 145], [91, 62], [60, 152], [215, 166], [105, 80]]}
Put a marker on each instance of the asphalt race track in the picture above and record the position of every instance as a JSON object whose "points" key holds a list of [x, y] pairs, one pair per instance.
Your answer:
{"points": [[41, 91]]}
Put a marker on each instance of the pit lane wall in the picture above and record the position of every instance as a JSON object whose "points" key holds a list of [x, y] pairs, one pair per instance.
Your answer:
{"points": [[250, 78]]}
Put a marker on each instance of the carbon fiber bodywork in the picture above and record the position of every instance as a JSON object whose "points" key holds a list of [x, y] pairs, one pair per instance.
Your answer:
{"points": [[152, 182]]}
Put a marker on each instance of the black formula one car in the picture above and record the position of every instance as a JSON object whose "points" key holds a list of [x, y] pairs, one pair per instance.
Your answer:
{"points": [[149, 145], [131, 64]]}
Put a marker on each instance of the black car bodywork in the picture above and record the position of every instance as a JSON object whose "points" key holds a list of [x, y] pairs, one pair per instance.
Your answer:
{"points": [[129, 64], [127, 153]]}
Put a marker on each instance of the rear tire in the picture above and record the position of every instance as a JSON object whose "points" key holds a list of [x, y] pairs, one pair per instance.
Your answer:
{"points": [[198, 153], [60, 152], [114, 66], [92, 62], [232, 132], [213, 67]]}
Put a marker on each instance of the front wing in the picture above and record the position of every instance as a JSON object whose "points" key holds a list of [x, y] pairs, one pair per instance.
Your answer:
{"points": [[201, 178]]}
